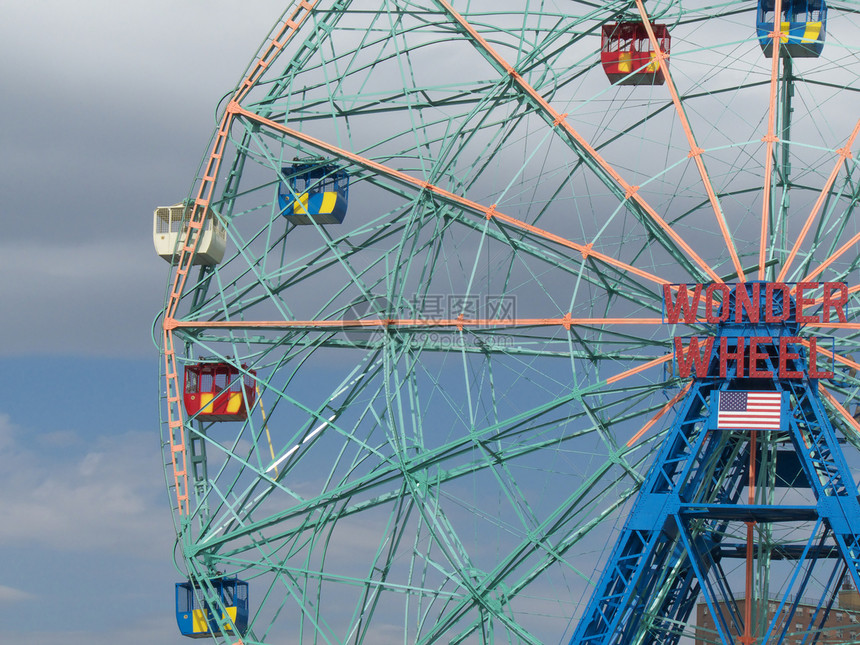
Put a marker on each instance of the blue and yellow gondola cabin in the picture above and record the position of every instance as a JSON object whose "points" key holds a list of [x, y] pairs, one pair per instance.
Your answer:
{"points": [[803, 26], [199, 621], [218, 391], [627, 55], [313, 192]]}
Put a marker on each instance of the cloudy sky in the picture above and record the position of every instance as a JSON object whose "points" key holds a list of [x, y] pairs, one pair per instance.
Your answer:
{"points": [[108, 107]]}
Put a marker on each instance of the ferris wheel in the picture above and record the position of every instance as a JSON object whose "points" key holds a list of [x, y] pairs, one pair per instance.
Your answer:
{"points": [[416, 358]]}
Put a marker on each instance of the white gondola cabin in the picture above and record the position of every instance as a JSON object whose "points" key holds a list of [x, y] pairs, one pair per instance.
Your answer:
{"points": [[169, 228]]}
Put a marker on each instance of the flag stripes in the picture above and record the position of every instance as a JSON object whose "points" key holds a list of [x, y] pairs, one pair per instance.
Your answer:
{"points": [[749, 410]]}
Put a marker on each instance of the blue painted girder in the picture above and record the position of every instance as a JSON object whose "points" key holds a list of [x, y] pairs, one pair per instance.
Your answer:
{"points": [[675, 526]]}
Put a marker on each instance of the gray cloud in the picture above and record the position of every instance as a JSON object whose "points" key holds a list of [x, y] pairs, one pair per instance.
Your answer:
{"points": [[98, 497], [94, 298], [108, 109], [142, 631], [8, 594]]}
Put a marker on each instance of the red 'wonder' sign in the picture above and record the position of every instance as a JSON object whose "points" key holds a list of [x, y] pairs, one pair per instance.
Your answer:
{"points": [[752, 304]]}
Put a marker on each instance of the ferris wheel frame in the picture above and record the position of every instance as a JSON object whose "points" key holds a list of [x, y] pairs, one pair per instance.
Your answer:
{"points": [[187, 441]]}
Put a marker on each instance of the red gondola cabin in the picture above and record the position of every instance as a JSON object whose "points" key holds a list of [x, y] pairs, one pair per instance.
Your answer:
{"points": [[218, 392], [627, 55]]}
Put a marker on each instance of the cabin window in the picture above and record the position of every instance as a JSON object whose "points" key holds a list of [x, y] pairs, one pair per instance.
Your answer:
{"points": [[184, 600]]}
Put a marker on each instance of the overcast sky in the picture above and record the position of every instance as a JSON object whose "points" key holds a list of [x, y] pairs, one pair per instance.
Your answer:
{"points": [[108, 107]]}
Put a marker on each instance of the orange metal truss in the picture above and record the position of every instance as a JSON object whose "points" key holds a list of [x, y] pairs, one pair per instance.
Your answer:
{"points": [[770, 138], [175, 421], [836, 357], [844, 155], [489, 212], [639, 368], [680, 395], [695, 151], [852, 422], [460, 323], [560, 120]]}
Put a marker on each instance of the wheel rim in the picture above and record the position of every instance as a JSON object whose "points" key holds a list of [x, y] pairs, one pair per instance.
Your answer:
{"points": [[508, 288]]}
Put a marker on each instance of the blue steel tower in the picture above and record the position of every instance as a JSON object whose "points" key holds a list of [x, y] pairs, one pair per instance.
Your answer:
{"points": [[714, 479]]}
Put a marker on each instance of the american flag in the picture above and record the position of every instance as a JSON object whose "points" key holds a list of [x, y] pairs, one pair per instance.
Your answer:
{"points": [[749, 410]]}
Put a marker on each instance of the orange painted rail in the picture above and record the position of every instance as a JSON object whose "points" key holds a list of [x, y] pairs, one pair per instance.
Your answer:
{"points": [[175, 420], [560, 120], [695, 150], [770, 138], [460, 323]]}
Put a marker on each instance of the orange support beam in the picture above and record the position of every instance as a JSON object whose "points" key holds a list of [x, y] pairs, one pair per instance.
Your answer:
{"points": [[640, 368], [695, 150], [844, 155], [852, 422], [836, 357], [560, 120], [459, 323], [186, 256], [771, 137], [748, 638], [489, 212], [660, 414]]}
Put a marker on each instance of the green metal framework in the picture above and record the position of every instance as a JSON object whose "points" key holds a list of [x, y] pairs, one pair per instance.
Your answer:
{"points": [[453, 383]]}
